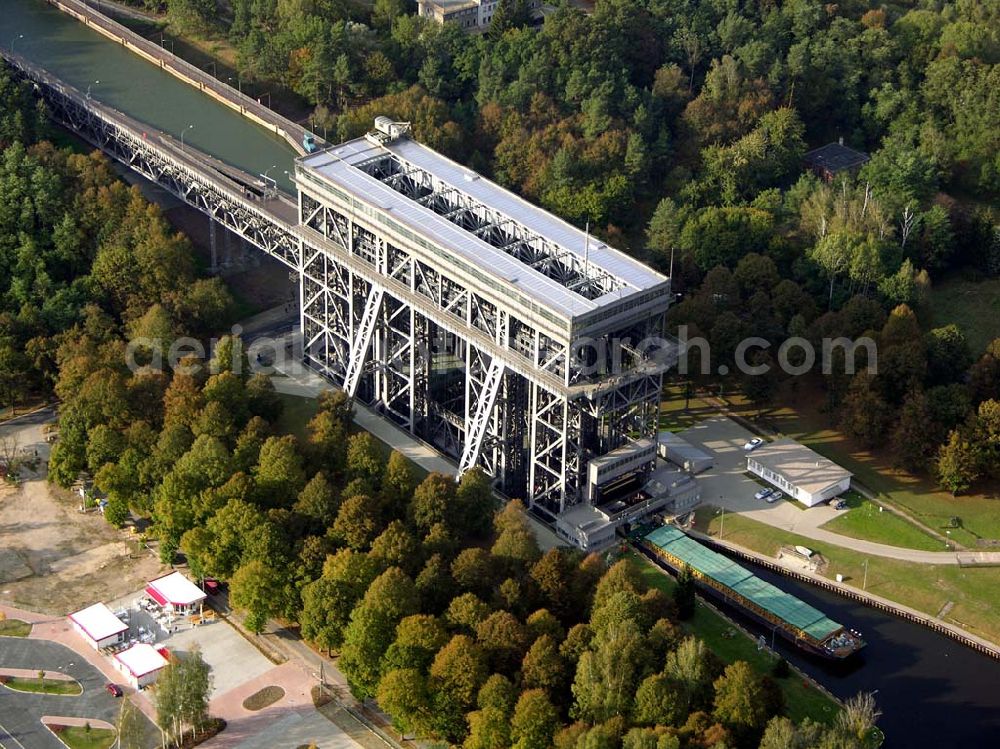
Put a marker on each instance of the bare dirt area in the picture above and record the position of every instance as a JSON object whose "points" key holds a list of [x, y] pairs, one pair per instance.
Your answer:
{"points": [[53, 558], [58, 559]]}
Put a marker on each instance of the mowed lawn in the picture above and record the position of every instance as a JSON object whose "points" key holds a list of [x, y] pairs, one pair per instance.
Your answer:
{"points": [[974, 306], [802, 419], [730, 644], [78, 737], [14, 628], [864, 520], [975, 592]]}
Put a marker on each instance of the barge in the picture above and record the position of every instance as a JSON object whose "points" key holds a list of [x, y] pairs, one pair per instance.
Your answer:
{"points": [[803, 625]]}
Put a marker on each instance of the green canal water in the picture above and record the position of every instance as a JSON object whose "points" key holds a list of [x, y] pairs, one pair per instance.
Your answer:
{"points": [[83, 58]]}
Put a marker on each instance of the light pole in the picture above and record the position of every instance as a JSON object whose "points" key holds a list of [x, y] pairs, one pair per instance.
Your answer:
{"points": [[722, 522], [864, 585], [183, 133], [95, 83], [268, 95], [164, 40], [274, 185], [13, 41], [215, 70], [239, 83]]}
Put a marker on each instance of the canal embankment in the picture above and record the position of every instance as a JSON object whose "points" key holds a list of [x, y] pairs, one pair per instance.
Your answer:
{"points": [[292, 132], [852, 593]]}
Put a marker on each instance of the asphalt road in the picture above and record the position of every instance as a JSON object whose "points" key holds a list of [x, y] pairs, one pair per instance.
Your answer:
{"points": [[20, 712]]}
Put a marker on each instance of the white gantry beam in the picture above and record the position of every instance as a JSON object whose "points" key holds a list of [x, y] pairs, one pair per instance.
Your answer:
{"points": [[475, 429], [363, 340]]}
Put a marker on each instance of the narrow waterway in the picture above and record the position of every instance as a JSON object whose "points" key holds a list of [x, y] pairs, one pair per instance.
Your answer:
{"points": [[933, 691], [86, 60]]}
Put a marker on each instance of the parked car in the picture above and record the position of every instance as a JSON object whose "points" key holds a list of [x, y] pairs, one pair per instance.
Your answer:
{"points": [[763, 493], [753, 444], [113, 689], [775, 496]]}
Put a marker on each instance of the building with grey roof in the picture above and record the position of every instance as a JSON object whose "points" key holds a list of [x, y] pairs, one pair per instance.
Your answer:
{"points": [[835, 158], [798, 471], [499, 333]]}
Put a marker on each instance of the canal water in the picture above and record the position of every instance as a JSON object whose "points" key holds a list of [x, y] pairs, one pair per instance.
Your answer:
{"points": [[933, 691], [83, 58]]}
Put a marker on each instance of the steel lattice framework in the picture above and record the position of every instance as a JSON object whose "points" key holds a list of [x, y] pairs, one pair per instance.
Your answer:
{"points": [[479, 379], [407, 333]]}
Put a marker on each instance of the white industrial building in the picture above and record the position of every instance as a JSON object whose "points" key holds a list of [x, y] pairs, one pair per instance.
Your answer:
{"points": [[798, 471], [98, 626], [141, 664], [176, 594], [682, 453], [493, 330], [471, 15]]}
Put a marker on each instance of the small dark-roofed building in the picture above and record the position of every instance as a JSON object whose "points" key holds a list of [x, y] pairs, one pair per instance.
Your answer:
{"points": [[833, 159]]}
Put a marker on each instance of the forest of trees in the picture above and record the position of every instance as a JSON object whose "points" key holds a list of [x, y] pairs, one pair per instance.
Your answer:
{"points": [[84, 262], [677, 128], [440, 604]]}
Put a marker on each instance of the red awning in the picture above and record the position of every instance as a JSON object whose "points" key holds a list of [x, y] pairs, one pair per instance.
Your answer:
{"points": [[155, 595]]}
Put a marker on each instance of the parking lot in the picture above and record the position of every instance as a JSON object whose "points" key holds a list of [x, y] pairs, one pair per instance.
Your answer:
{"points": [[20, 724], [727, 484]]}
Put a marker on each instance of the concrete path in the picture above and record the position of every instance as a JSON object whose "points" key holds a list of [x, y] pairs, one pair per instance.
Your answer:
{"points": [[727, 485]]}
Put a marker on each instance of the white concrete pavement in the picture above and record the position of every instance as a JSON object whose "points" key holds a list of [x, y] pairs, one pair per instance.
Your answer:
{"points": [[728, 485]]}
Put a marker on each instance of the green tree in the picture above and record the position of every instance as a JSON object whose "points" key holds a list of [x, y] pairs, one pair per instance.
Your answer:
{"points": [[431, 501], [684, 593], [504, 640], [398, 482], [740, 702], [534, 721], [396, 547], [192, 16], [326, 441], [515, 543], [605, 676], [130, 726], [489, 728], [318, 502], [418, 639], [364, 459], [459, 669], [279, 474], [404, 695], [543, 667], [357, 522], [658, 701], [256, 590], [957, 466], [391, 597], [692, 667]]}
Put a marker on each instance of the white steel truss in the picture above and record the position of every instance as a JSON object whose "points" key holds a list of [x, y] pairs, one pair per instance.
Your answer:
{"points": [[479, 412], [363, 340], [463, 372]]}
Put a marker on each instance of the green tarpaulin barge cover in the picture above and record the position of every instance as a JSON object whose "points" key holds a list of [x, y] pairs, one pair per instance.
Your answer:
{"points": [[726, 573]]}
